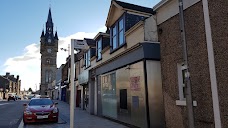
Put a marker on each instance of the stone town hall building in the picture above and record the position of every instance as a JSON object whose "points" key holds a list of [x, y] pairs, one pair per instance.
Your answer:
{"points": [[48, 50]]}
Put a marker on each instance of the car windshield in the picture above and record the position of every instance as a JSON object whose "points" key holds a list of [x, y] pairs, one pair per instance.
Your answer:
{"points": [[39, 102]]}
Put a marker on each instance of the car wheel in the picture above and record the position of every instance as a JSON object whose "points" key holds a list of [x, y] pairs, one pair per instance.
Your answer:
{"points": [[56, 121], [24, 122]]}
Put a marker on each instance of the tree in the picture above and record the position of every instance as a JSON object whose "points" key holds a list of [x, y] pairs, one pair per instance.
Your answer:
{"points": [[30, 90]]}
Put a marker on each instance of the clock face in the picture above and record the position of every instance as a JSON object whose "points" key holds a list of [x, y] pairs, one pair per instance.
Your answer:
{"points": [[49, 50]]}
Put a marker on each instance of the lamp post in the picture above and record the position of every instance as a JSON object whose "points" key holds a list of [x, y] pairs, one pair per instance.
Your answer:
{"points": [[64, 49], [187, 73], [75, 44]]}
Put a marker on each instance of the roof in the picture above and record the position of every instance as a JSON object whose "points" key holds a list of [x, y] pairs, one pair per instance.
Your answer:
{"points": [[101, 34], [90, 42], [135, 7], [49, 16]]}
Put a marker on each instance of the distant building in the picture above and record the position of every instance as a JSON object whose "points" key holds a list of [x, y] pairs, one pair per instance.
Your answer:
{"points": [[9, 84]]}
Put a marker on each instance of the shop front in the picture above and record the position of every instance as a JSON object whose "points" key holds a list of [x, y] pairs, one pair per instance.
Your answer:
{"points": [[130, 88], [83, 88]]}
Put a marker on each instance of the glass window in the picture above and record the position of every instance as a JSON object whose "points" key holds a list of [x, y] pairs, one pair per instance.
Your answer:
{"points": [[39, 102], [99, 48], [46, 76], [118, 34], [87, 58], [48, 61], [121, 37], [114, 41], [108, 95], [121, 32], [50, 76]]}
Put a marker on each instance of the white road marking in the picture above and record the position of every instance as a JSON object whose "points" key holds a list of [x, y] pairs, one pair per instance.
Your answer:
{"points": [[4, 104], [21, 124]]}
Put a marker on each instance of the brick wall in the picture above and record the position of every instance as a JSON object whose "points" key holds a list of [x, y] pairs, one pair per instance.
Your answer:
{"points": [[171, 54], [219, 25]]}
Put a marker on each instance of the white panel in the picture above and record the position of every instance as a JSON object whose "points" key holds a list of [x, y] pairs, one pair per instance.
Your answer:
{"points": [[171, 8]]}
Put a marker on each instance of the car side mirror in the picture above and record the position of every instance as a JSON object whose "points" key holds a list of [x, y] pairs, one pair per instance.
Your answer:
{"points": [[24, 104], [56, 103]]}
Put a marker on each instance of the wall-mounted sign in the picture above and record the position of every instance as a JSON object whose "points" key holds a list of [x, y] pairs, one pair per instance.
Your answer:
{"points": [[83, 78], [135, 83], [80, 44]]}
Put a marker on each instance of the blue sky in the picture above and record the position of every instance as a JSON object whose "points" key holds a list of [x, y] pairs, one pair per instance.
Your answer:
{"points": [[22, 21]]}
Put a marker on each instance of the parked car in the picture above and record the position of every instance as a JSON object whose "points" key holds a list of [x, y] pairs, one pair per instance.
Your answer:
{"points": [[11, 97], [30, 97], [40, 110], [17, 97]]}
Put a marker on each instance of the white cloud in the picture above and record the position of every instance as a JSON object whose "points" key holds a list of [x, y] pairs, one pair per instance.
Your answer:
{"points": [[27, 66]]}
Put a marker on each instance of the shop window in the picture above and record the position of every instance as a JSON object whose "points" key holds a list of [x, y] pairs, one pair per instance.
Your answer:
{"points": [[108, 95], [123, 98]]}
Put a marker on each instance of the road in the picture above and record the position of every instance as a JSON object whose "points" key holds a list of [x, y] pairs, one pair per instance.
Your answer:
{"points": [[11, 113], [11, 117]]}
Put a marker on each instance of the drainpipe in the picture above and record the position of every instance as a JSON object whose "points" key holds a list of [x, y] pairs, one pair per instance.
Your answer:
{"points": [[187, 74], [212, 70]]}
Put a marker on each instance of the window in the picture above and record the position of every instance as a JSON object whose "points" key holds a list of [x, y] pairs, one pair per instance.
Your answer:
{"points": [[108, 95], [99, 48], [48, 76], [48, 61], [181, 81], [87, 58], [117, 35], [114, 41], [121, 32]]}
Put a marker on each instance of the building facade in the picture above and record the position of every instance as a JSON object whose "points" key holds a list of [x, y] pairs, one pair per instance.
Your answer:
{"points": [[206, 34], [9, 84], [48, 50], [119, 80]]}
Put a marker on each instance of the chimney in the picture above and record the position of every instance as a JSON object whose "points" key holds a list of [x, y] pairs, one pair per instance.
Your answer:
{"points": [[7, 74], [17, 77]]}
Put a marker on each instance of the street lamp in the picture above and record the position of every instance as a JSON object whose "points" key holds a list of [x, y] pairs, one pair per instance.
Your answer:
{"points": [[64, 49], [75, 44], [187, 73]]}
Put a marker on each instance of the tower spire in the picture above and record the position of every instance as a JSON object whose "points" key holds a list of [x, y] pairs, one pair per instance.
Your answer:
{"points": [[49, 20]]}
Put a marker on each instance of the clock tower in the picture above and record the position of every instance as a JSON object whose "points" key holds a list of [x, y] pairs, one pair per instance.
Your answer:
{"points": [[48, 51]]}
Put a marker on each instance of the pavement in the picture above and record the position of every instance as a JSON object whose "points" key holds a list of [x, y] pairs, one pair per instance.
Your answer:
{"points": [[82, 120]]}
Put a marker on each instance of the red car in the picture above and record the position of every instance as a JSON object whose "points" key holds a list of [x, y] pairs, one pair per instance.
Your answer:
{"points": [[40, 110]]}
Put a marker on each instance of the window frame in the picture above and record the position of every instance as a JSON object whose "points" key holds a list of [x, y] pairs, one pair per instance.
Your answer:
{"points": [[117, 35], [87, 58], [99, 49]]}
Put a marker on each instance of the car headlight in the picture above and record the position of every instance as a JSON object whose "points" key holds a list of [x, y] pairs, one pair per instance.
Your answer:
{"points": [[28, 112], [55, 110]]}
